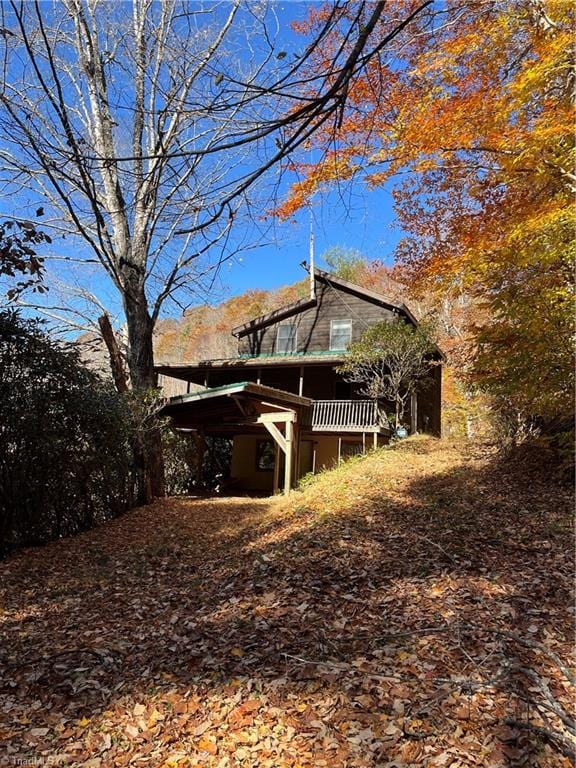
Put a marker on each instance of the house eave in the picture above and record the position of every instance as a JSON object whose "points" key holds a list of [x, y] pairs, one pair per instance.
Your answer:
{"points": [[274, 317], [184, 371]]}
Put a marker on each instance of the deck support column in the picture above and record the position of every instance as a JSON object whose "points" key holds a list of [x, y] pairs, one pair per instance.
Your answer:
{"points": [[284, 442], [275, 486], [289, 456]]}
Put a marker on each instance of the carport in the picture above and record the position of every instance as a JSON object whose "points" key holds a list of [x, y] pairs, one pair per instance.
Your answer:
{"points": [[236, 408]]}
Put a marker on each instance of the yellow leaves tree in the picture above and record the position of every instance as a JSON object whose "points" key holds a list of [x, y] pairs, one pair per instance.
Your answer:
{"points": [[471, 124]]}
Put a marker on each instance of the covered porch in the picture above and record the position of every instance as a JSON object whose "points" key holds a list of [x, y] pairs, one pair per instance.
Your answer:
{"points": [[246, 408]]}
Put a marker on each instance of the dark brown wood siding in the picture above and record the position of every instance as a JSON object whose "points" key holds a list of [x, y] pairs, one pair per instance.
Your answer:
{"points": [[313, 325]]}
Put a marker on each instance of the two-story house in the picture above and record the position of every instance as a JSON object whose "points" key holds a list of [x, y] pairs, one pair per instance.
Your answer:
{"points": [[282, 400]]}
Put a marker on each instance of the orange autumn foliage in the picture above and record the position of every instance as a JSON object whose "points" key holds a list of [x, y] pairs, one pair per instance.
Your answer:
{"points": [[470, 120]]}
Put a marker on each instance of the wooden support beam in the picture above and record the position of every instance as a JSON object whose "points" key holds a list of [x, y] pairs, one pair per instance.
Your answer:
{"points": [[280, 409], [289, 456], [277, 436], [275, 484], [241, 406], [284, 442], [271, 418], [296, 452]]}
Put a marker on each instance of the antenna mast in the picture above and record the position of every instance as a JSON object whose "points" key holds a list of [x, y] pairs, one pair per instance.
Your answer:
{"points": [[311, 267]]}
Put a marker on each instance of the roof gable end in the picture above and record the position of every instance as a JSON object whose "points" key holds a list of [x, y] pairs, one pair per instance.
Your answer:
{"points": [[364, 293], [303, 304]]}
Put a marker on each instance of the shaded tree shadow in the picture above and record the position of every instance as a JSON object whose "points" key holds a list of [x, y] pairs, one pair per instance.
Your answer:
{"points": [[364, 635]]}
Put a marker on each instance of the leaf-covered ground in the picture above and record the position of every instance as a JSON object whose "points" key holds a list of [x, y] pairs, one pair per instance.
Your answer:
{"points": [[411, 607]]}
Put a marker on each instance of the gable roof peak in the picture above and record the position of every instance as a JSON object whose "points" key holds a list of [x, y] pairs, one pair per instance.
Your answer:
{"points": [[333, 281], [338, 282]]}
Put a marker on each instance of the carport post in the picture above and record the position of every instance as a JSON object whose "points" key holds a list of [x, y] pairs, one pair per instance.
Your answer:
{"points": [[276, 468], [284, 442], [289, 456]]}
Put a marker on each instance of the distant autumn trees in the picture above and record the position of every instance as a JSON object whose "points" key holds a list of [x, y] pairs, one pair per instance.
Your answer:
{"points": [[205, 331], [469, 122]]}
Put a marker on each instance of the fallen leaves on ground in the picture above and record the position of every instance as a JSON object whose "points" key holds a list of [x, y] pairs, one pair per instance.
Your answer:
{"points": [[408, 608]]}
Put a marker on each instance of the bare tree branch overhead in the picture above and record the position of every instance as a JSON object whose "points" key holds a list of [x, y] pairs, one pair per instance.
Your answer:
{"points": [[142, 127]]}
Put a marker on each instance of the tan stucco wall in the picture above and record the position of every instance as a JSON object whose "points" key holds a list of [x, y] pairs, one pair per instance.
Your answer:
{"points": [[244, 460], [244, 465], [250, 479], [326, 451]]}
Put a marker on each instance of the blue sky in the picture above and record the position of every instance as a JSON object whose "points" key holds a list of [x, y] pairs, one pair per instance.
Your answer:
{"points": [[352, 217]]}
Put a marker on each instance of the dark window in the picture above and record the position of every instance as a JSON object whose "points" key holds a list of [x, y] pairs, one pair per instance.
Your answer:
{"points": [[286, 339], [265, 455], [340, 334], [349, 448], [342, 390]]}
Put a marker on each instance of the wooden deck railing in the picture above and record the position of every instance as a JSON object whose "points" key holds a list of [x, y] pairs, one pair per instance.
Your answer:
{"points": [[342, 415]]}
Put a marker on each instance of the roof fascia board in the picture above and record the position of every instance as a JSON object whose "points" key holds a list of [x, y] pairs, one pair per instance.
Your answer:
{"points": [[273, 317], [180, 371], [364, 293], [245, 388]]}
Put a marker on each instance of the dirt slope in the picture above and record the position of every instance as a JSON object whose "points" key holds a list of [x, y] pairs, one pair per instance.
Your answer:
{"points": [[408, 608]]}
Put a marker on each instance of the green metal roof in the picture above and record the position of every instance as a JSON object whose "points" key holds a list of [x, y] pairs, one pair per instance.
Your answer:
{"points": [[245, 387], [282, 355]]}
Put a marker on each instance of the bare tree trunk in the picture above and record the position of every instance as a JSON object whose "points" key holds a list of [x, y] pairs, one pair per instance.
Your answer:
{"points": [[399, 412], [116, 360], [148, 452]]}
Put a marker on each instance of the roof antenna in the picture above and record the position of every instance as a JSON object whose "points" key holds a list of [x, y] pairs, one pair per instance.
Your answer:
{"points": [[311, 266], [308, 147]]}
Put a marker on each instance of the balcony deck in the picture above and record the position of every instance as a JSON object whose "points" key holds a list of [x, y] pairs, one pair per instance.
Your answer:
{"points": [[345, 416]]}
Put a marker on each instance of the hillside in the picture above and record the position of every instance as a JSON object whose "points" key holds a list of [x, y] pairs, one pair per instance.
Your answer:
{"points": [[408, 608]]}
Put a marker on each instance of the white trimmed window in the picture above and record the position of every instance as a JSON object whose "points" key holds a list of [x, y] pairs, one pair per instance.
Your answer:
{"points": [[286, 339], [340, 334]]}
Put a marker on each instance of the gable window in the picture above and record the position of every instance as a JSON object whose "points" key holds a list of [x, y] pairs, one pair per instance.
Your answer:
{"points": [[286, 338], [340, 334]]}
